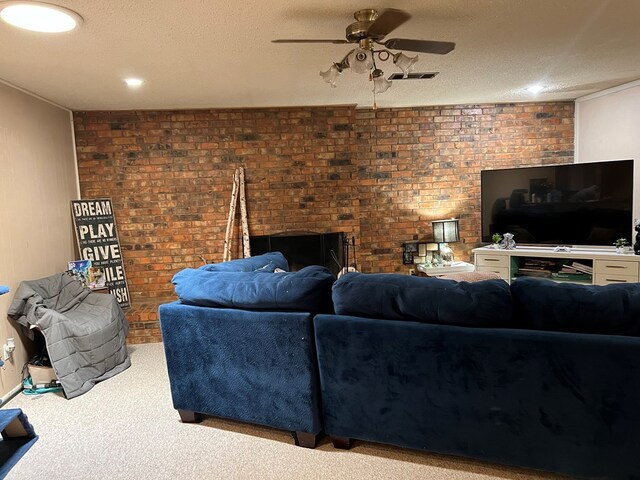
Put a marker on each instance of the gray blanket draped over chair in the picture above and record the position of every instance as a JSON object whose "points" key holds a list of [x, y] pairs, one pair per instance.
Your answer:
{"points": [[85, 332]]}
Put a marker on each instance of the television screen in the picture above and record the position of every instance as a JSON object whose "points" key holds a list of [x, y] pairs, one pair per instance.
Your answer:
{"points": [[572, 204]]}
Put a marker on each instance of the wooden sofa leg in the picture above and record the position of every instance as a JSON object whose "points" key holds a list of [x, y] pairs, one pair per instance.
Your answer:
{"points": [[305, 439], [187, 416], [343, 443]]}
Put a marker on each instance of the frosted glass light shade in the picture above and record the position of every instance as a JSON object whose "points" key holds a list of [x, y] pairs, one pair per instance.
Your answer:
{"points": [[405, 63], [39, 17], [380, 84], [360, 60], [331, 75]]}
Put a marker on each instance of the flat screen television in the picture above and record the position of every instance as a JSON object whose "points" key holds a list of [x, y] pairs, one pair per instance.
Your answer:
{"points": [[571, 204]]}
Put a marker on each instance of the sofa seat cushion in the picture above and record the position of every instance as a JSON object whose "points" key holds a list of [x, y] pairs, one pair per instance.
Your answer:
{"points": [[568, 307], [266, 263], [423, 299], [308, 289]]}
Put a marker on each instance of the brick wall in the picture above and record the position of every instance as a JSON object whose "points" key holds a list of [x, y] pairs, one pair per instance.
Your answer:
{"points": [[423, 164], [381, 176]]}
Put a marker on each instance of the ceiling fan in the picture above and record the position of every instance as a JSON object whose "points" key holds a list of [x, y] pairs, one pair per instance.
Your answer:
{"points": [[367, 32]]}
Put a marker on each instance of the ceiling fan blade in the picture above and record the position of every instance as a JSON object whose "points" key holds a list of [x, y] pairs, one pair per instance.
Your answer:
{"points": [[299, 40], [424, 46], [387, 21]]}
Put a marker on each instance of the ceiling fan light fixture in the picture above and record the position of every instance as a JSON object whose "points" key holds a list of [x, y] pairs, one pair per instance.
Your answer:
{"points": [[39, 17], [366, 33], [380, 84], [405, 63], [360, 60], [331, 75]]}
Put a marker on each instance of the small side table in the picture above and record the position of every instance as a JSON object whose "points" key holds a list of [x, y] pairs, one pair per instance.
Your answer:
{"points": [[455, 267]]}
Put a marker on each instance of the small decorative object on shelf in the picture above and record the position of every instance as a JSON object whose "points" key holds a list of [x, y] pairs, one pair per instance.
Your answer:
{"points": [[508, 243], [446, 255], [496, 238], [622, 245], [636, 245]]}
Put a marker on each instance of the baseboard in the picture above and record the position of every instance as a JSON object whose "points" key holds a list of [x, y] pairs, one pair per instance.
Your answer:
{"points": [[12, 393]]}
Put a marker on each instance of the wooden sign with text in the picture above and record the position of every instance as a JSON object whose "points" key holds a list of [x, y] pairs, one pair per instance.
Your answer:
{"points": [[98, 241]]}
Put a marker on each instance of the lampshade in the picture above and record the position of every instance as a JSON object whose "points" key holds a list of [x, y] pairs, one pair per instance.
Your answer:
{"points": [[380, 84], [360, 60], [331, 75], [445, 231], [405, 63]]}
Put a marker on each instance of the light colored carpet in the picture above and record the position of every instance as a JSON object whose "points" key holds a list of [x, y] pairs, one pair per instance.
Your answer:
{"points": [[126, 428]]}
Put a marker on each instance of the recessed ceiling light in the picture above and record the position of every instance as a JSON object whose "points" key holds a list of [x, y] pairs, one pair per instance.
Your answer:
{"points": [[39, 17], [133, 82], [535, 88]]}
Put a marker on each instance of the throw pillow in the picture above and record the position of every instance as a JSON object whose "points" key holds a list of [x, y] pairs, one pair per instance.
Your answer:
{"points": [[265, 263], [308, 289]]}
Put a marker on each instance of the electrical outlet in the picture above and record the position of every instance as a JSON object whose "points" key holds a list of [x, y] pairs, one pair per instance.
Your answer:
{"points": [[8, 349], [412, 271]]}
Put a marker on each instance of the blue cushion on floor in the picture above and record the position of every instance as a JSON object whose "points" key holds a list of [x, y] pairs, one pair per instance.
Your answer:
{"points": [[423, 299], [568, 307], [265, 263], [308, 289]]}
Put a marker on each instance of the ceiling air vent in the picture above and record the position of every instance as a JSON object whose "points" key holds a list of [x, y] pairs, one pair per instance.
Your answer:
{"points": [[413, 76]]}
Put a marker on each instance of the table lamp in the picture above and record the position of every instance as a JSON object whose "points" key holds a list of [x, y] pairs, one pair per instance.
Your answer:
{"points": [[444, 232]]}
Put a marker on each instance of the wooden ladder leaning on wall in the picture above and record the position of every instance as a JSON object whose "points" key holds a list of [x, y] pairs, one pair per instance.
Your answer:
{"points": [[238, 190]]}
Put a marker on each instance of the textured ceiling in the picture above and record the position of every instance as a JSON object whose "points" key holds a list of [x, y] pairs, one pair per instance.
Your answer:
{"points": [[214, 54]]}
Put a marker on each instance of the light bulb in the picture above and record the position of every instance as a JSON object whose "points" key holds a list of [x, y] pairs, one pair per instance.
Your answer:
{"points": [[133, 82], [535, 88]]}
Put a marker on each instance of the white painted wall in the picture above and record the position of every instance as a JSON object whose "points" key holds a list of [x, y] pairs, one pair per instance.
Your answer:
{"points": [[607, 127], [38, 179]]}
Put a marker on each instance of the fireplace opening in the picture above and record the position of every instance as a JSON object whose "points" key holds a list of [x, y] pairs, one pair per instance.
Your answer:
{"points": [[302, 249]]}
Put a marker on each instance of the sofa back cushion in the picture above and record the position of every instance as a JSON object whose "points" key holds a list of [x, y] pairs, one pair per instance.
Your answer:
{"points": [[423, 299], [308, 289], [265, 263], [568, 307]]}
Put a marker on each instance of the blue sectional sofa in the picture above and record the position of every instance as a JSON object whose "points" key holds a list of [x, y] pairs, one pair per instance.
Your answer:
{"points": [[239, 343], [533, 374], [538, 375]]}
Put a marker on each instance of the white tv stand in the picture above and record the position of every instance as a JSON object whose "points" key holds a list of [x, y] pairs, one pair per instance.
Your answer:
{"points": [[608, 266]]}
